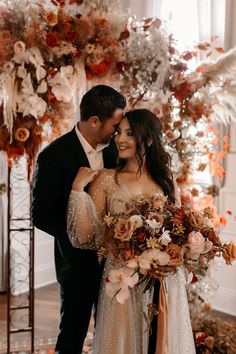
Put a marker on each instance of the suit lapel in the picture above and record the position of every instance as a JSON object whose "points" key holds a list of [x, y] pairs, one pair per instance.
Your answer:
{"points": [[110, 155], [78, 150]]}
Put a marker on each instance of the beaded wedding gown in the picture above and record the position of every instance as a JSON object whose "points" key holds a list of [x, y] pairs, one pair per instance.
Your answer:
{"points": [[123, 328]]}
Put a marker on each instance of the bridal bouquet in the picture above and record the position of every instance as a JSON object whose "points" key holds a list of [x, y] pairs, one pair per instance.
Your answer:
{"points": [[156, 233]]}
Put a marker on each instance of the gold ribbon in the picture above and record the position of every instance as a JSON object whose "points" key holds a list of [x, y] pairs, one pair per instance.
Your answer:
{"points": [[162, 327]]}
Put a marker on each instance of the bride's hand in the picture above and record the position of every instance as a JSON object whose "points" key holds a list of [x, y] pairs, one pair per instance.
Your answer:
{"points": [[162, 271], [84, 176]]}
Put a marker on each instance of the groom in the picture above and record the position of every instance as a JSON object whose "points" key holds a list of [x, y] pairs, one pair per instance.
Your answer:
{"points": [[78, 271]]}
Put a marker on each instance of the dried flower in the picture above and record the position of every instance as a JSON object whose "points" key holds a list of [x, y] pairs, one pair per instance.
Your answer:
{"points": [[229, 252], [22, 134]]}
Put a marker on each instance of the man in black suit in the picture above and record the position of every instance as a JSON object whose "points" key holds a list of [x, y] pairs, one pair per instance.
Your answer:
{"points": [[78, 271]]}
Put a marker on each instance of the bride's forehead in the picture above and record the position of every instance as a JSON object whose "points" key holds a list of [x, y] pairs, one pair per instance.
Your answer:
{"points": [[124, 124]]}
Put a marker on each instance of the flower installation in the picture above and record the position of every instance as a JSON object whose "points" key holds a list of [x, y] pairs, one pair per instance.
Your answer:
{"points": [[46, 52], [154, 232]]}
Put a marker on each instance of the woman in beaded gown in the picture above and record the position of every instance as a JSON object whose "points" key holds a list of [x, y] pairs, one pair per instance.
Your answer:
{"points": [[143, 168]]}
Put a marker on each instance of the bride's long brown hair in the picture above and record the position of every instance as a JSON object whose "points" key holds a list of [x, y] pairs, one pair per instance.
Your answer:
{"points": [[146, 129]]}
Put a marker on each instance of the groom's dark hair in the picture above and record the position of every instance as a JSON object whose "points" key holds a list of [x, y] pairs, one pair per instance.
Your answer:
{"points": [[101, 101]]}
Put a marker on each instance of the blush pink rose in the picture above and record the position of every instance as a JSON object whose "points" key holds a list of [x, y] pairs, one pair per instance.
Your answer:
{"points": [[196, 242]]}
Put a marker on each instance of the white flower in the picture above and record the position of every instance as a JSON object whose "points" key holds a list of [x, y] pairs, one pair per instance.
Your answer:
{"points": [[21, 72], [19, 47], [34, 56], [27, 87], [40, 73], [137, 220], [119, 282], [33, 105], [153, 256], [165, 237], [153, 224], [42, 87], [63, 83]]}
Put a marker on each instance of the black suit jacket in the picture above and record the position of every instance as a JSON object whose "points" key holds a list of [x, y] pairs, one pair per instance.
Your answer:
{"points": [[56, 168]]}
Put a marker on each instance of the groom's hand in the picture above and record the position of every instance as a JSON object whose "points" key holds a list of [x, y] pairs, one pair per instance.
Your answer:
{"points": [[84, 176]]}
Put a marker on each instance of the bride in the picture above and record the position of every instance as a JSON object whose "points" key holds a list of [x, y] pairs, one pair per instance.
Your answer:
{"points": [[143, 168]]}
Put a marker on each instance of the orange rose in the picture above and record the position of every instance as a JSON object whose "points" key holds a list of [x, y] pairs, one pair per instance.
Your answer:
{"points": [[51, 18], [229, 253], [124, 230], [22, 134], [175, 254]]}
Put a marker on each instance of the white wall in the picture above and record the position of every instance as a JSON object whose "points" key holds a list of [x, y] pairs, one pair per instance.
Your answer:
{"points": [[225, 299]]}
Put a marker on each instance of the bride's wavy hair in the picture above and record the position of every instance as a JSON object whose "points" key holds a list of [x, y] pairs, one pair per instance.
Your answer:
{"points": [[147, 131]]}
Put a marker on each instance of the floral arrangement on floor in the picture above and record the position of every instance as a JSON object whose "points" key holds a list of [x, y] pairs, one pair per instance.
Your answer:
{"points": [[154, 232], [213, 333]]}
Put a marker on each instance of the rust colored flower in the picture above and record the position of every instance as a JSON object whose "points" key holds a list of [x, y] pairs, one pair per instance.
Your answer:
{"points": [[22, 134], [51, 18], [124, 230], [195, 192], [37, 130], [141, 234], [99, 69], [124, 35], [175, 253], [52, 39], [214, 238], [229, 253], [71, 36]]}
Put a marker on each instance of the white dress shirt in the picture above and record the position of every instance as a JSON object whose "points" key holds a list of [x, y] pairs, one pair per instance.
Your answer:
{"points": [[94, 156]]}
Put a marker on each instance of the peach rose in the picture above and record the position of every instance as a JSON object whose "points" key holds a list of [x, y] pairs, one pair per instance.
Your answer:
{"points": [[22, 134], [229, 253], [124, 230], [175, 253], [196, 242]]}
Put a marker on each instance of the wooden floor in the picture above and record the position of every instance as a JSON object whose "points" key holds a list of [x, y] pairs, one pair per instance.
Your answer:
{"points": [[47, 311]]}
